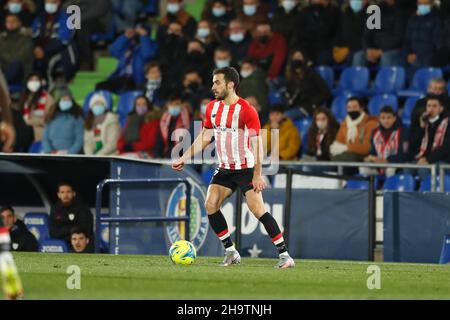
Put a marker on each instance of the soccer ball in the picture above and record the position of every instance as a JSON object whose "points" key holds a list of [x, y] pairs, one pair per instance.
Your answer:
{"points": [[182, 252]]}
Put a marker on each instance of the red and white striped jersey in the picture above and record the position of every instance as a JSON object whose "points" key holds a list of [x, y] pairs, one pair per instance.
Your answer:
{"points": [[233, 126]]}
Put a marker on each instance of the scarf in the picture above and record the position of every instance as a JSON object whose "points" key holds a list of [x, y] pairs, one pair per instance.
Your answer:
{"points": [[386, 145], [438, 138], [352, 127]]}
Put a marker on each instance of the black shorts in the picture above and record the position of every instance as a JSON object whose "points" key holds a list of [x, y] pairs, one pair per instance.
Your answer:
{"points": [[233, 179]]}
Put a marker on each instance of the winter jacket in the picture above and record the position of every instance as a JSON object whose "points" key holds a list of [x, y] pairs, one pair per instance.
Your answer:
{"points": [[255, 85], [350, 29], [22, 239], [361, 145], [289, 140], [16, 47], [283, 22], [109, 133], [422, 34], [269, 56], [63, 218], [402, 154], [64, 132]]}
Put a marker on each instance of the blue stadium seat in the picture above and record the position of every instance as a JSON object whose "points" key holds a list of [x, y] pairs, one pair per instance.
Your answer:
{"points": [[355, 79], [37, 224], [126, 104], [389, 80], [53, 246], [36, 147], [303, 125], [339, 106], [420, 81], [106, 94], [380, 100], [425, 185], [15, 88], [327, 73], [360, 184], [275, 97], [399, 182], [407, 110], [104, 233], [304, 146]]}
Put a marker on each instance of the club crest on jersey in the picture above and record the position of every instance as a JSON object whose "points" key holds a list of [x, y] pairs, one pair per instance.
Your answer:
{"points": [[199, 219]]}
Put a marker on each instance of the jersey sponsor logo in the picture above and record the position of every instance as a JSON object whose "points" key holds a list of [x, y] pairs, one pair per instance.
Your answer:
{"points": [[199, 219]]}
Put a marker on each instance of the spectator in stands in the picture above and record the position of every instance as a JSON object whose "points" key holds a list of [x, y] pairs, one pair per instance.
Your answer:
{"points": [[222, 58], [442, 57], [21, 238], [24, 133], [263, 117], [7, 133], [197, 58], [237, 41], [193, 90], [384, 46], [207, 36], [388, 144], [125, 13], [156, 90], [80, 241], [172, 50], [305, 89], [174, 118], [352, 23], [69, 212], [16, 50], [422, 36], [133, 49], [436, 87], [285, 18], [321, 135], [139, 136], [353, 138], [54, 49], [63, 133], [289, 138], [24, 9], [101, 128], [269, 50], [253, 83], [34, 103], [94, 19], [317, 25], [252, 13], [176, 13], [220, 15], [435, 137]]}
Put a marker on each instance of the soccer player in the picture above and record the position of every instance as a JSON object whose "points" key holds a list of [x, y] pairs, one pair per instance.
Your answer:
{"points": [[11, 283], [236, 127]]}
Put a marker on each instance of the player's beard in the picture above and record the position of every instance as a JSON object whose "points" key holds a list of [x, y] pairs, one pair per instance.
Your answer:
{"points": [[223, 95]]}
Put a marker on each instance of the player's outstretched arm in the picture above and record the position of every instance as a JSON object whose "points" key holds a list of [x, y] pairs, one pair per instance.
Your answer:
{"points": [[258, 182], [202, 140]]}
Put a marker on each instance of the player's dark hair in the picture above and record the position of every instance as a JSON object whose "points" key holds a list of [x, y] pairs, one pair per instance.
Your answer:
{"points": [[5, 208], [388, 109], [230, 74], [79, 230], [65, 183]]}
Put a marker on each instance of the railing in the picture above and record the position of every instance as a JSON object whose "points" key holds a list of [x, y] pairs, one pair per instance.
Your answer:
{"points": [[442, 169], [98, 203]]}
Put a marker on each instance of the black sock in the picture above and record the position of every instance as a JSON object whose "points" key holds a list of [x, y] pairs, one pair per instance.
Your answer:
{"points": [[219, 225], [274, 232]]}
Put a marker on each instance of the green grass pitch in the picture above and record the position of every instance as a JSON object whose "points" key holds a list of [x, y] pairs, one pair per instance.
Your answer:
{"points": [[155, 277]]}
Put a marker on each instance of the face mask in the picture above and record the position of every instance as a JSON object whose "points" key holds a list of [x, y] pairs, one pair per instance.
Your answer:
{"points": [[98, 109], [175, 111], [65, 105], [173, 8], [141, 110], [34, 85], [202, 32], [195, 55], [263, 39], [288, 5], [249, 9], [203, 109], [321, 125], [356, 5], [15, 7], [218, 12], [237, 37], [51, 8], [222, 63], [194, 86], [423, 9], [246, 73], [154, 83], [354, 114], [297, 64]]}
